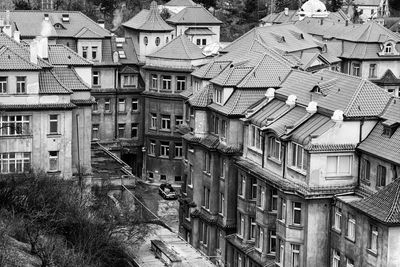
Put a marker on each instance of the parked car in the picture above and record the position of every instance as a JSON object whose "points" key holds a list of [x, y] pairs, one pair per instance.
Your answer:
{"points": [[166, 191]]}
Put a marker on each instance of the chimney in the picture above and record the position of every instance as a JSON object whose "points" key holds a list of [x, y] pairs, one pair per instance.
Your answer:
{"points": [[286, 11], [115, 57], [33, 47], [43, 47], [17, 36], [312, 107], [1, 22], [7, 20], [101, 23], [7, 24], [337, 116], [270, 94], [347, 22], [291, 100]]}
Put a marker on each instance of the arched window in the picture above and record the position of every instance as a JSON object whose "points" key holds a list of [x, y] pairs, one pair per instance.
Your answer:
{"points": [[388, 48], [145, 40], [157, 41]]}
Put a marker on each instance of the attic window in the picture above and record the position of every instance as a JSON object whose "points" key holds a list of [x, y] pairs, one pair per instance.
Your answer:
{"points": [[282, 40], [316, 89], [65, 17], [119, 45], [301, 37], [58, 26], [121, 54], [388, 48], [388, 131], [46, 16]]}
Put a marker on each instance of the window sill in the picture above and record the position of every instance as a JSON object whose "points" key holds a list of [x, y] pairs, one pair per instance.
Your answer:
{"points": [[350, 240], [338, 177], [135, 111], [17, 136], [165, 130], [54, 172], [96, 112], [372, 252], [122, 112], [295, 226], [367, 182], [303, 172], [107, 112], [190, 186], [151, 155], [255, 150], [164, 157], [275, 160], [339, 232], [207, 173], [96, 85], [282, 222], [178, 158], [53, 135]]}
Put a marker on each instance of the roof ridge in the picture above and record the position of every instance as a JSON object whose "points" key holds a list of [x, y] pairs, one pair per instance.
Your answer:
{"points": [[61, 83], [185, 46], [354, 96], [395, 202], [6, 48], [247, 77]]}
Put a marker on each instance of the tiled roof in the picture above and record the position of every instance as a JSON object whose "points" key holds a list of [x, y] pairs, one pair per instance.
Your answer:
{"points": [[272, 110], [86, 33], [369, 32], [62, 55], [55, 106], [212, 142], [284, 37], [70, 79], [180, 3], [83, 102], [199, 31], [315, 126], [20, 49], [49, 84], [202, 98], [211, 69], [387, 78], [367, 2], [147, 20], [326, 28], [384, 205], [10, 60], [383, 146], [239, 101], [187, 93], [330, 147], [194, 15], [128, 48], [179, 48], [289, 119], [363, 51], [355, 96], [29, 23], [281, 17]]}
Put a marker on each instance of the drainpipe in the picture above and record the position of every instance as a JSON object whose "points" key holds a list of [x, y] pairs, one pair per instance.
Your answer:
{"points": [[116, 105], [359, 157], [79, 159], [263, 149], [283, 160]]}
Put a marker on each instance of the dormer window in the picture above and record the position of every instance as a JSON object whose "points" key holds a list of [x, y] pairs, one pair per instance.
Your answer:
{"points": [[65, 17], [388, 48], [218, 96], [388, 131], [316, 89]]}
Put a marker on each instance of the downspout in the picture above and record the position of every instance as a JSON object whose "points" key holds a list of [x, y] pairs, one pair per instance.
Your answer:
{"points": [[116, 105], [263, 148], [359, 158], [283, 161]]}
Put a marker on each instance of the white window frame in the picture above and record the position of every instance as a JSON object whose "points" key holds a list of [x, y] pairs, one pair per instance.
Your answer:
{"points": [[219, 95], [221, 208], [3, 84], [153, 121], [294, 210], [337, 219], [242, 185], [373, 238], [95, 132], [166, 81], [253, 228], [295, 162], [274, 200], [121, 105], [337, 165], [262, 198], [255, 138], [349, 262], [351, 227], [272, 236], [274, 150], [180, 83], [54, 119], [178, 150], [283, 213], [152, 148], [295, 253], [335, 258], [14, 125], [21, 85], [54, 156], [135, 128], [135, 104], [165, 122], [121, 130], [206, 198], [107, 105], [15, 162], [96, 77], [154, 81], [178, 120], [164, 149]]}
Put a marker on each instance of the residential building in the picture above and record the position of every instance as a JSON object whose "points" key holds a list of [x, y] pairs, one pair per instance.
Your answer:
{"points": [[167, 75], [198, 24], [366, 232], [372, 9], [367, 50], [149, 32], [175, 6]]}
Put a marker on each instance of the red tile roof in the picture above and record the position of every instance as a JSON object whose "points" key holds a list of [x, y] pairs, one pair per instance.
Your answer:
{"points": [[150, 21], [384, 205]]}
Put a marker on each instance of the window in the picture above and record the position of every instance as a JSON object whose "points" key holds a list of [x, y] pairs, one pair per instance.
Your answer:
{"points": [[157, 41], [255, 137], [261, 204], [296, 206], [165, 122], [207, 162], [134, 130], [94, 52], [388, 48], [282, 216], [356, 69], [203, 41], [14, 125], [253, 188], [53, 160], [223, 129], [95, 132], [190, 175], [387, 130], [178, 120], [85, 51], [178, 150], [372, 70], [253, 228], [337, 220], [3, 85], [272, 241], [204, 234], [381, 176], [154, 81], [164, 147], [163, 177], [299, 157], [240, 227], [95, 106], [121, 105], [365, 169], [206, 199], [145, 40], [351, 227], [223, 168], [53, 119], [260, 238], [295, 255], [335, 258], [166, 82], [216, 125], [96, 78], [21, 85], [152, 147], [153, 120], [274, 148], [135, 104], [221, 203], [128, 80], [242, 185], [178, 178], [121, 130], [274, 200], [166, 40], [338, 165], [218, 96], [15, 162], [198, 41], [107, 105], [373, 238], [180, 83], [349, 262]]}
